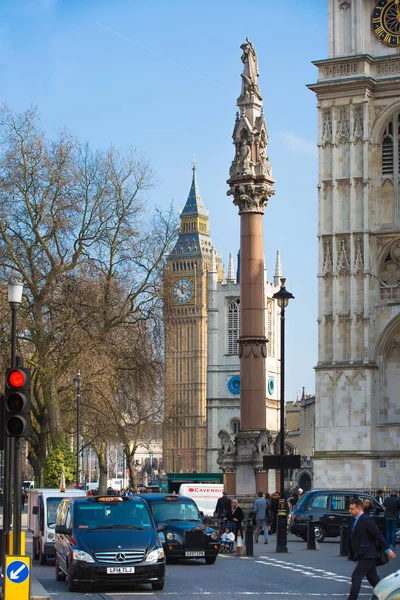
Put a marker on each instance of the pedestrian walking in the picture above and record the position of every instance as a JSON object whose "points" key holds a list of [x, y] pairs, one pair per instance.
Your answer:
{"points": [[221, 509], [274, 511], [260, 509], [392, 506], [364, 538]]}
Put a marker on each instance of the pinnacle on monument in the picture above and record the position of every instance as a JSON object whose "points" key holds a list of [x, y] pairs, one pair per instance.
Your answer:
{"points": [[250, 179], [278, 268], [231, 270], [194, 205]]}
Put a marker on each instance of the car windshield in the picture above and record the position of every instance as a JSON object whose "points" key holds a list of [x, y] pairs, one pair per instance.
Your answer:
{"points": [[51, 506], [175, 511], [96, 515]]}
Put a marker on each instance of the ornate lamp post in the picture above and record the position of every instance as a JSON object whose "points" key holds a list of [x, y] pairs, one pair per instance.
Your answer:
{"points": [[77, 380], [282, 297]]}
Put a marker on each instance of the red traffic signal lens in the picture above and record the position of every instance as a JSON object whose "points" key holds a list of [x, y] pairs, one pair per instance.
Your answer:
{"points": [[16, 379]]}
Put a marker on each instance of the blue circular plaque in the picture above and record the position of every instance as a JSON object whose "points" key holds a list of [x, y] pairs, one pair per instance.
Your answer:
{"points": [[234, 384], [271, 386]]}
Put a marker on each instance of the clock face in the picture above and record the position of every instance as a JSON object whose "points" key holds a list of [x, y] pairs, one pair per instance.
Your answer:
{"points": [[182, 291], [386, 22]]}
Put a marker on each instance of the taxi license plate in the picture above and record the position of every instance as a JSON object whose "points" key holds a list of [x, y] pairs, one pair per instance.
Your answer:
{"points": [[193, 553], [119, 570]]}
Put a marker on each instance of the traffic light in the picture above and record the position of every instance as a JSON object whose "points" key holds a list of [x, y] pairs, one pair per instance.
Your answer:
{"points": [[17, 421]]}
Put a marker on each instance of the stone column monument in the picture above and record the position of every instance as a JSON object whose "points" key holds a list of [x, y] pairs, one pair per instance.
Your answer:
{"points": [[250, 184]]}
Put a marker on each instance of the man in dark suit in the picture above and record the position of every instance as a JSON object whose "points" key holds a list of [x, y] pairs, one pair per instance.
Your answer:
{"points": [[363, 550]]}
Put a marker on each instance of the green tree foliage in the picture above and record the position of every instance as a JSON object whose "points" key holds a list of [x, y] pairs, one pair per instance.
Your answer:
{"points": [[60, 457]]}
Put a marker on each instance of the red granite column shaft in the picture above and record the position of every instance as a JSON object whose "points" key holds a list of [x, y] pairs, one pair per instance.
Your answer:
{"points": [[252, 329]]}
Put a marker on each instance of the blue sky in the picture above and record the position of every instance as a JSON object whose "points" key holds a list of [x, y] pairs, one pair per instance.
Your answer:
{"points": [[163, 76]]}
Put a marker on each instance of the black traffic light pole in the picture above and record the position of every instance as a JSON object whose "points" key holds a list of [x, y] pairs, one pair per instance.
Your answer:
{"points": [[16, 442]]}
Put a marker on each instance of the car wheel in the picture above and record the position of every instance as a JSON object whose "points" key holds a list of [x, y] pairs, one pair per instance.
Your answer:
{"points": [[210, 560], [171, 561], [60, 575], [35, 550], [303, 537], [398, 536], [158, 586], [320, 532]]}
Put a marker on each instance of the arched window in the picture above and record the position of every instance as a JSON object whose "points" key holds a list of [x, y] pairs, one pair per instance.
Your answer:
{"points": [[235, 426], [233, 326], [388, 149]]}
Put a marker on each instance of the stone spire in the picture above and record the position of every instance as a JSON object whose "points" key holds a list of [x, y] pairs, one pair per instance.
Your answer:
{"points": [[194, 231], [278, 269], [250, 182], [194, 204], [231, 270]]}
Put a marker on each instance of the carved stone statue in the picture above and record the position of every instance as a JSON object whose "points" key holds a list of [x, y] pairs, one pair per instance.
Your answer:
{"points": [[263, 442], [228, 447], [250, 71]]}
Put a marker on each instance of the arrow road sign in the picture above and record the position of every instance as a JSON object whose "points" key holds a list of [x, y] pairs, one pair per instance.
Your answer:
{"points": [[17, 580], [17, 571]]}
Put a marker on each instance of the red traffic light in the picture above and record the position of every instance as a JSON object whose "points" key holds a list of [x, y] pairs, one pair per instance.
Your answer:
{"points": [[16, 378]]}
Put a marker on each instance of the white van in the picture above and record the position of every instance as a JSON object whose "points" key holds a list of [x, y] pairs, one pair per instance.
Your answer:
{"points": [[204, 494], [42, 508]]}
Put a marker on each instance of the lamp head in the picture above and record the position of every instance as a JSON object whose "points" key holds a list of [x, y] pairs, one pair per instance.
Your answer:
{"points": [[283, 296], [77, 380], [15, 289]]}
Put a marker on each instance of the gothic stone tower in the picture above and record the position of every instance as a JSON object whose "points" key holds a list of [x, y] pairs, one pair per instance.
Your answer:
{"points": [[185, 322], [358, 371]]}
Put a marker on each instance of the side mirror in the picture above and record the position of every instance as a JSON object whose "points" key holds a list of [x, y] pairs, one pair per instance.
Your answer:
{"points": [[160, 528], [35, 510], [61, 529]]}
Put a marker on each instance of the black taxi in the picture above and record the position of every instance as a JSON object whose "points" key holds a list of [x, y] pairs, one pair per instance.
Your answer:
{"points": [[186, 535], [327, 509], [108, 540]]}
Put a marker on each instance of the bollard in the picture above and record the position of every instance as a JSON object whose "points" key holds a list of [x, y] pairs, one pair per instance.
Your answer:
{"points": [[310, 535], [249, 538], [344, 538]]}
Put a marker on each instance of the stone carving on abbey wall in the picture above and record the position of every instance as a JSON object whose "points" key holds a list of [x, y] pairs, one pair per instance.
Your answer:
{"points": [[327, 269], [389, 274], [343, 126], [327, 127], [343, 264], [358, 123], [358, 268]]}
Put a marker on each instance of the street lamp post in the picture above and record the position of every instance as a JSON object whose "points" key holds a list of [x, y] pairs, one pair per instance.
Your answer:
{"points": [[77, 380], [12, 446], [282, 297]]}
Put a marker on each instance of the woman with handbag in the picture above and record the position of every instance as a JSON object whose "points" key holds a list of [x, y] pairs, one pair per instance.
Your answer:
{"points": [[234, 517]]}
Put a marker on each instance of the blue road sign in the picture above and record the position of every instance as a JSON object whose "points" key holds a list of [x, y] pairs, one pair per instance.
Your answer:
{"points": [[382, 464], [17, 571]]}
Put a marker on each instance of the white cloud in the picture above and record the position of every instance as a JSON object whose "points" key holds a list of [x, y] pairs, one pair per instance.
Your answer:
{"points": [[299, 144]]}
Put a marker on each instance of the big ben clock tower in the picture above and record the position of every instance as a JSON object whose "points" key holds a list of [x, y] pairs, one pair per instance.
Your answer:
{"points": [[357, 424], [185, 322]]}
